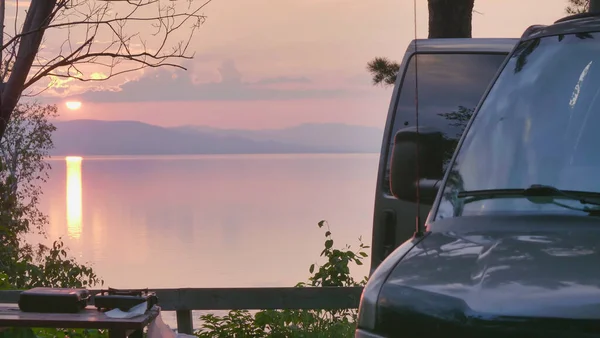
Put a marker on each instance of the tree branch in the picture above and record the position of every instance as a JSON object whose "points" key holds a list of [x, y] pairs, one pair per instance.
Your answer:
{"points": [[92, 19], [40, 14], [127, 18]]}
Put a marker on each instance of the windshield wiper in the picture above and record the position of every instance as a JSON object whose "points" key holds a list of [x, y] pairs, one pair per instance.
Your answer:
{"points": [[539, 194]]}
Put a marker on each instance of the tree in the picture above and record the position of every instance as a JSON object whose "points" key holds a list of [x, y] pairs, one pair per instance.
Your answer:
{"points": [[383, 70], [23, 149], [450, 18], [577, 6], [447, 19], [23, 168], [100, 39]]}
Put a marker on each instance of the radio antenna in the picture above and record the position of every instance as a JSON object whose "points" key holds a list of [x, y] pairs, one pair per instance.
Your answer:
{"points": [[419, 229]]}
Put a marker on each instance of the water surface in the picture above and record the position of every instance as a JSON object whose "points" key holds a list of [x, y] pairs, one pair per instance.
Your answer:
{"points": [[208, 221]]}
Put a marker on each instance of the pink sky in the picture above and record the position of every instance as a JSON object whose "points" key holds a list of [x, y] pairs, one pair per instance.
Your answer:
{"points": [[316, 51]]}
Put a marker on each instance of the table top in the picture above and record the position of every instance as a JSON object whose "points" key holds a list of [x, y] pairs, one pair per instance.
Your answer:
{"points": [[89, 318]]}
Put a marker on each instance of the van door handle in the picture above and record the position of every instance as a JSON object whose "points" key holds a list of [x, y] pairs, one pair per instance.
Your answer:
{"points": [[389, 232]]}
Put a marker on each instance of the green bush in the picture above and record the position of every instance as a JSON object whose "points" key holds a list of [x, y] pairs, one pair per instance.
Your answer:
{"points": [[298, 323], [23, 169]]}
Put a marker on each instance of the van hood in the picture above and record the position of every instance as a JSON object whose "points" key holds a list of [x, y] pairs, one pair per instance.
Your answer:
{"points": [[508, 275]]}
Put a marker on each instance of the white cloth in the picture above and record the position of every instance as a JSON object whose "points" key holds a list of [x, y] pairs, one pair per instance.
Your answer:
{"points": [[135, 311], [158, 329]]}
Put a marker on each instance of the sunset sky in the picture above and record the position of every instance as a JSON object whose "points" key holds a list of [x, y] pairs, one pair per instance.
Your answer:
{"points": [[277, 63]]}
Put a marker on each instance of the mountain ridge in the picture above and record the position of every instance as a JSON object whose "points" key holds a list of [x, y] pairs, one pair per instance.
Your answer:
{"points": [[97, 137]]}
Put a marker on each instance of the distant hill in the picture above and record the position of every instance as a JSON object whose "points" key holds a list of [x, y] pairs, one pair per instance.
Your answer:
{"points": [[328, 135], [94, 137]]}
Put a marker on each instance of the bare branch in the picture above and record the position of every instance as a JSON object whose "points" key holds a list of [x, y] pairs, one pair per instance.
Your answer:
{"points": [[120, 48], [40, 14], [127, 18], [83, 24]]}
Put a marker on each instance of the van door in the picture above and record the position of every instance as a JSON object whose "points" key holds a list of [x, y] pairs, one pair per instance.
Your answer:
{"points": [[450, 86]]}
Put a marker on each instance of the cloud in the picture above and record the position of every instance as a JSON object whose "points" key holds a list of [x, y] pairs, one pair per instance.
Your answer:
{"points": [[282, 79], [360, 79], [168, 85], [229, 73]]}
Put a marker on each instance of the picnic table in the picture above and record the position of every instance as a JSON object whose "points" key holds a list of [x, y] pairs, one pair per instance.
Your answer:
{"points": [[89, 318]]}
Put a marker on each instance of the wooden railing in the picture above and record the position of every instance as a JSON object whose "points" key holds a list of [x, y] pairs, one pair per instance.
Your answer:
{"points": [[183, 301]]}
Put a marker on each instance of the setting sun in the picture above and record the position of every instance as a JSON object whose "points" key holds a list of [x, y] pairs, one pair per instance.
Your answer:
{"points": [[73, 105]]}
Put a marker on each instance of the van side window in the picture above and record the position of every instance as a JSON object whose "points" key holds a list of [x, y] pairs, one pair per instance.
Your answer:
{"points": [[450, 87]]}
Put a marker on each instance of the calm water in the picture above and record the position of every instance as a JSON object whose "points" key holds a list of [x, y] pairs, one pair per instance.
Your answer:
{"points": [[208, 221]]}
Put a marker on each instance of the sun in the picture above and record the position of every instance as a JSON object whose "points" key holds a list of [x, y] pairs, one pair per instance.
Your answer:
{"points": [[73, 105]]}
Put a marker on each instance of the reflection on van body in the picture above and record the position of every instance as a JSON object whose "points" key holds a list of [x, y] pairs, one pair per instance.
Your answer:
{"points": [[535, 127]]}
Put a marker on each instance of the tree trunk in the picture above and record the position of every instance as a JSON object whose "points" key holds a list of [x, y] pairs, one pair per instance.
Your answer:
{"points": [[2, 18], [39, 15], [450, 18]]}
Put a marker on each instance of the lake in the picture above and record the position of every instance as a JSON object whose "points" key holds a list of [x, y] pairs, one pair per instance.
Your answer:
{"points": [[208, 221]]}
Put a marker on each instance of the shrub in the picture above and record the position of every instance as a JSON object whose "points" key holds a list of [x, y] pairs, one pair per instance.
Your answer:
{"points": [[298, 323]]}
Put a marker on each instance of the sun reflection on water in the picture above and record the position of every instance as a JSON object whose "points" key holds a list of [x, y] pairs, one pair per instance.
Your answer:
{"points": [[74, 200]]}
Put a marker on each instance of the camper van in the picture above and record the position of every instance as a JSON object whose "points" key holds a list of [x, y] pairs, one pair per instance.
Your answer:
{"points": [[450, 76], [507, 186]]}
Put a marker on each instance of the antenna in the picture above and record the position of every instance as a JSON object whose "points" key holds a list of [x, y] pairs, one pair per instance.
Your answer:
{"points": [[419, 231]]}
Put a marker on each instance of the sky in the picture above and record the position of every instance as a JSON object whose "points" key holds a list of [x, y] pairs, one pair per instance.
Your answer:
{"points": [[277, 63]]}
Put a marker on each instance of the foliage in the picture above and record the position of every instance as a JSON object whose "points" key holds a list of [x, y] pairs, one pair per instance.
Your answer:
{"points": [[23, 168], [458, 119], [383, 71], [336, 271], [577, 6], [23, 151], [298, 323], [17, 332], [52, 267], [5, 283], [71, 333]]}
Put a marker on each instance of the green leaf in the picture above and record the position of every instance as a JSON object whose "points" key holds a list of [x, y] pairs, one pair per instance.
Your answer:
{"points": [[321, 223], [328, 233], [329, 243], [18, 332], [312, 268]]}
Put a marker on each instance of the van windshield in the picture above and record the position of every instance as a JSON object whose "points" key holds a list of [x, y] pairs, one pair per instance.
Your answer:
{"points": [[539, 124]]}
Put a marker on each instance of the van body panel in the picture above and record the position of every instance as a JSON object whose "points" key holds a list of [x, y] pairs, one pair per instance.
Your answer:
{"points": [[394, 220], [490, 275]]}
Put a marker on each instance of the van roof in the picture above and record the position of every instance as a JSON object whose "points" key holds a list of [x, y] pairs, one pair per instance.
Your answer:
{"points": [[457, 45], [579, 23]]}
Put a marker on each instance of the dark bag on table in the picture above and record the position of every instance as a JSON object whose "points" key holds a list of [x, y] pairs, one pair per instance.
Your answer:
{"points": [[53, 300]]}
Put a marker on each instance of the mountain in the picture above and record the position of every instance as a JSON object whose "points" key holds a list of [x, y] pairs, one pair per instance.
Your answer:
{"points": [[93, 137], [344, 137]]}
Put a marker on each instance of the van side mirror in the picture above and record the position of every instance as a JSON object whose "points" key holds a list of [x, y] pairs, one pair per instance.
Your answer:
{"points": [[406, 168]]}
